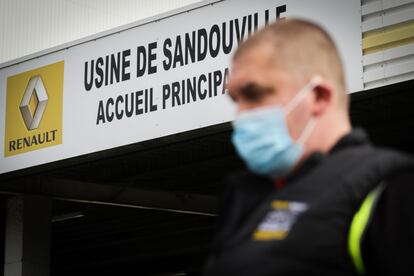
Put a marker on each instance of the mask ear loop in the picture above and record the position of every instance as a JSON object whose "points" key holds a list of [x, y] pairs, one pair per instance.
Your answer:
{"points": [[307, 131], [301, 94]]}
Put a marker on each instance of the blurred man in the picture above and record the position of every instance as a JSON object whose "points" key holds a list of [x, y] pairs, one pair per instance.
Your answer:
{"points": [[317, 198]]}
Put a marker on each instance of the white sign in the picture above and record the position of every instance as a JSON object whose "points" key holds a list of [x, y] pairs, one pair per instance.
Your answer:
{"points": [[153, 80]]}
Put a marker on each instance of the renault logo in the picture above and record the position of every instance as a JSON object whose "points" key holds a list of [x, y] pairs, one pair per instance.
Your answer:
{"points": [[33, 103]]}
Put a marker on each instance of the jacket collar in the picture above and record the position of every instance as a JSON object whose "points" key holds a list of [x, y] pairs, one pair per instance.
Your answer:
{"points": [[355, 137]]}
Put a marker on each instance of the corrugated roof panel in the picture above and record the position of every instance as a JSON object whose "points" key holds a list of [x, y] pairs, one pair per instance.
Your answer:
{"points": [[399, 14], [390, 54], [388, 4], [388, 41], [371, 7], [388, 37], [375, 16]]}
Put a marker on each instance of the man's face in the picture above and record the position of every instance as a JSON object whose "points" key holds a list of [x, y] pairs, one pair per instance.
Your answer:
{"points": [[255, 82]]}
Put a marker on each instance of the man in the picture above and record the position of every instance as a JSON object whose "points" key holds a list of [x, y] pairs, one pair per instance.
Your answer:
{"points": [[317, 198]]}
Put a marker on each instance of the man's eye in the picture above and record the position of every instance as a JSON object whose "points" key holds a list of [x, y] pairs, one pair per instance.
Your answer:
{"points": [[254, 92]]}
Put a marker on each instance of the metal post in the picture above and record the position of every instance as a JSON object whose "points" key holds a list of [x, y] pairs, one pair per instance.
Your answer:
{"points": [[27, 246]]}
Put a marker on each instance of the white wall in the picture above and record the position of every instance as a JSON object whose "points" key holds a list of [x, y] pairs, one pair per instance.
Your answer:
{"points": [[29, 26]]}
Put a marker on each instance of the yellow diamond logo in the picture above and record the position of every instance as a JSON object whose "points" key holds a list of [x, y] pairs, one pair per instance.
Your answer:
{"points": [[34, 103]]}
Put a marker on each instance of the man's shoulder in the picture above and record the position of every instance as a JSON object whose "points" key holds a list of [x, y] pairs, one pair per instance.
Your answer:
{"points": [[368, 155], [356, 144], [401, 180], [403, 159]]}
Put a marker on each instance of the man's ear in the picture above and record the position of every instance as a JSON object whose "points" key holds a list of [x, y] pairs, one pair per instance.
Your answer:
{"points": [[322, 98]]}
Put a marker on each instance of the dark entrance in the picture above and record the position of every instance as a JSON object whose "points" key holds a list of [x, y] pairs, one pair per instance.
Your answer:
{"points": [[149, 209]]}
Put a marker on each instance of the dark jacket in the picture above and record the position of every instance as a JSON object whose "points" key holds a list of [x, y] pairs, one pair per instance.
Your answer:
{"points": [[302, 228]]}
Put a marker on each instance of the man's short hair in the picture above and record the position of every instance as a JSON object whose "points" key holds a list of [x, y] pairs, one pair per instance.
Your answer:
{"points": [[304, 50]]}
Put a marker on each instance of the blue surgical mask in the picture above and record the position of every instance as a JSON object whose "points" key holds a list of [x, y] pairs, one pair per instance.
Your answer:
{"points": [[262, 139]]}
